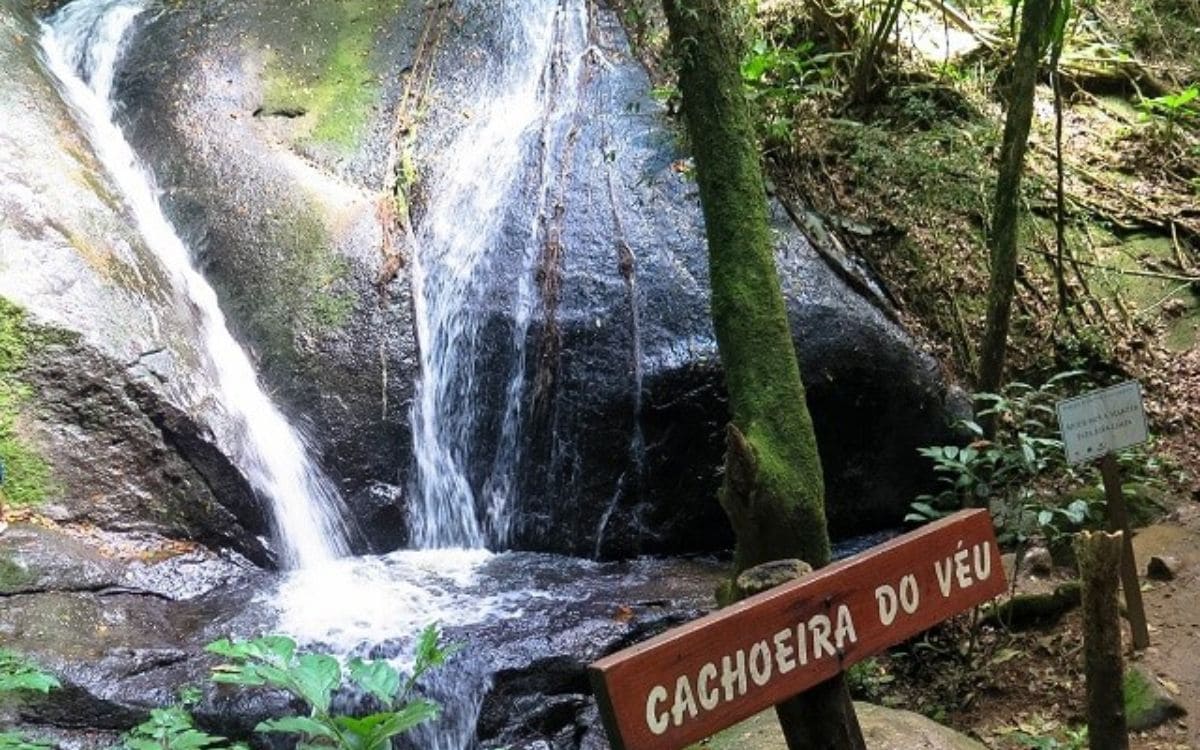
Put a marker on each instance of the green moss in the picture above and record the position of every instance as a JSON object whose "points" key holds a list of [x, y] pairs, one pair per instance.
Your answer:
{"points": [[1139, 695], [13, 575], [27, 475], [320, 67], [302, 291]]}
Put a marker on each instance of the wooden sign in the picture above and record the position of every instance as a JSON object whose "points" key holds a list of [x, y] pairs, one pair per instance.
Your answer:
{"points": [[695, 680], [1102, 422]]}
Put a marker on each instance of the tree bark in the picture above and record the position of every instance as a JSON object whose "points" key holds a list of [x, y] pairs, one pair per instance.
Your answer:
{"points": [[773, 490], [1002, 244], [1099, 556]]}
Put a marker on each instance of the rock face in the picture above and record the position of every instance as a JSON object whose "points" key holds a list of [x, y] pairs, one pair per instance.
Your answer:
{"points": [[269, 125], [103, 415]]}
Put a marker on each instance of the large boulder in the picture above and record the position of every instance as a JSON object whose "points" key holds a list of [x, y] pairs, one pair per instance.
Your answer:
{"points": [[104, 417], [271, 127]]}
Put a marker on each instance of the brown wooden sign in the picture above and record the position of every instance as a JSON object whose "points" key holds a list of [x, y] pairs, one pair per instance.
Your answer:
{"points": [[695, 680]]}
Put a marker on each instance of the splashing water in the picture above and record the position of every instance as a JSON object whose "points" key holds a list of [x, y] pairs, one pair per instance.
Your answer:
{"points": [[528, 98], [82, 44]]}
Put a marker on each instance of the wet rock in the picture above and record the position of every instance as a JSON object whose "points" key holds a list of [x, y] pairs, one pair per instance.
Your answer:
{"points": [[1037, 561], [379, 511], [111, 394], [1163, 568], [286, 213], [769, 575]]}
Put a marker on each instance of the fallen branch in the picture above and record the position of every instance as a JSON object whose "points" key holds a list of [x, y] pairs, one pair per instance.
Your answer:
{"points": [[1131, 271], [960, 20]]}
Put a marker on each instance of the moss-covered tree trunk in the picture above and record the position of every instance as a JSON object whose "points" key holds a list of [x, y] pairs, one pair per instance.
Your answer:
{"points": [[773, 491], [1031, 44]]}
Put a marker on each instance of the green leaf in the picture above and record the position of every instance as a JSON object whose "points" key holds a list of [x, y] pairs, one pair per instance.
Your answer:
{"points": [[378, 678], [1044, 517], [417, 712], [228, 674], [297, 725], [925, 511], [316, 676], [193, 739], [1077, 512], [169, 729]]}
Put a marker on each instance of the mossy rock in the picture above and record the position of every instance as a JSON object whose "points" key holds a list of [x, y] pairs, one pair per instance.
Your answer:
{"points": [[26, 474], [1026, 611], [1147, 703]]}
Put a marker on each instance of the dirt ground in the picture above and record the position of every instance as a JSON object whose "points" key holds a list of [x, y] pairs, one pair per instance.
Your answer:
{"points": [[1173, 609], [1026, 689]]}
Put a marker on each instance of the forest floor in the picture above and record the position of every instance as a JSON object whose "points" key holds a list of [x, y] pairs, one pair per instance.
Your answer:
{"points": [[1022, 686]]}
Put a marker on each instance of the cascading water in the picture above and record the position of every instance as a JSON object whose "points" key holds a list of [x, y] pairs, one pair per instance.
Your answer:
{"points": [[530, 96], [82, 44]]}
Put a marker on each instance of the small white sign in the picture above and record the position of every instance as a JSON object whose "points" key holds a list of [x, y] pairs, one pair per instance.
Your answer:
{"points": [[1102, 422]]}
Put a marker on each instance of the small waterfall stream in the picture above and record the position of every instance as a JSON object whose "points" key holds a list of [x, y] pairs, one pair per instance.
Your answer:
{"points": [[501, 156], [82, 45]]}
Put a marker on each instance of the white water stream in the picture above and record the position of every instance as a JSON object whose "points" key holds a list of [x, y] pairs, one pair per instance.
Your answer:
{"points": [[82, 44], [525, 104]]}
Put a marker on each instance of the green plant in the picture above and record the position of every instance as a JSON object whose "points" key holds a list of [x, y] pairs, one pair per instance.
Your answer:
{"points": [[868, 680], [998, 473], [1178, 106], [273, 661], [778, 77], [172, 729], [1168, 114], [1055, 522], [18, 674]]}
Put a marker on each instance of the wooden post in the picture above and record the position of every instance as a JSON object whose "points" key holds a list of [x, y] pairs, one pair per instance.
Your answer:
{"points": [[1099, 556], [1118, 520], [804, 728]]}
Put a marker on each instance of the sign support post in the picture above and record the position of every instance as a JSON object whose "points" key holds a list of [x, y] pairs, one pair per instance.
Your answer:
{"points": [[1118, 520]]}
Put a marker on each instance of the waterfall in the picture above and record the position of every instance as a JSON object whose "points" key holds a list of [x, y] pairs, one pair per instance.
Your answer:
{"points": [[82, 44], [503, 156]]}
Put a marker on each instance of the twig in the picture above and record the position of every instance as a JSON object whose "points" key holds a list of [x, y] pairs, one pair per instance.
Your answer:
{"points": [[1174, 290], [960, 19], [1132, 271]]}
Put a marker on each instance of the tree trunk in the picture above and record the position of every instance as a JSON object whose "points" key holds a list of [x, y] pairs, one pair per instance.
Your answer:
{"points": [[1035, 25], [773, 491], [1099, 556]]}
